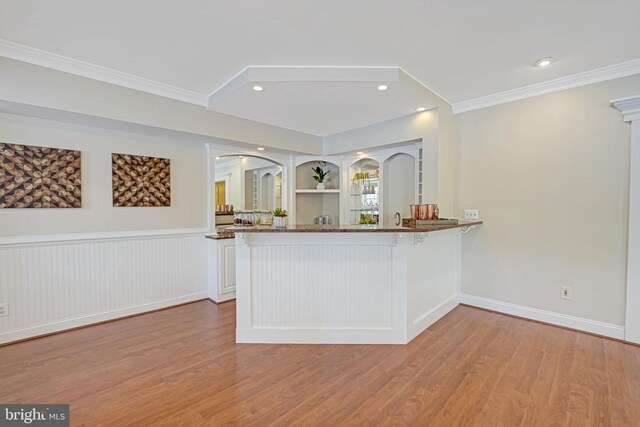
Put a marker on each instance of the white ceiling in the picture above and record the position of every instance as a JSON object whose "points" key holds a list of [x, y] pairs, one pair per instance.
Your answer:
{"points": [[460, 49], [321, 101]]}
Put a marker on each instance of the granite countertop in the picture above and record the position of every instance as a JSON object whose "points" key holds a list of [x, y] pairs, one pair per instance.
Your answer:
{"points": [[313, 228], [221, 236]]}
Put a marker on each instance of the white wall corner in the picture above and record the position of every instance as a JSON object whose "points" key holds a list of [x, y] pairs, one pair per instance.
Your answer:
{"points": [[630, 107]]}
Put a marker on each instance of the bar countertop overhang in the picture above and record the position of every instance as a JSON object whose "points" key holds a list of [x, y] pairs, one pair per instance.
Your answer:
{"points": [[313, 228]]}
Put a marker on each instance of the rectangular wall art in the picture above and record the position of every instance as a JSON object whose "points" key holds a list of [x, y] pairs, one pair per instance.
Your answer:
{"points": [[39, 177], [141, 180]]}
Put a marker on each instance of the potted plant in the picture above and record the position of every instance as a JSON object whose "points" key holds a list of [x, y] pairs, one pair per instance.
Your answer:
{"points": [[279, 218], [319, 176]]}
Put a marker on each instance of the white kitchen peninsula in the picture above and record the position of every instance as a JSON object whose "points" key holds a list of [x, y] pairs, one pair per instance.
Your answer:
{"points": [[344, 284]]}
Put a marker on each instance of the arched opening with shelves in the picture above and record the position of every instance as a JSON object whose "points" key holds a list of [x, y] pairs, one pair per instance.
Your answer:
{"points": [[316, 205]]}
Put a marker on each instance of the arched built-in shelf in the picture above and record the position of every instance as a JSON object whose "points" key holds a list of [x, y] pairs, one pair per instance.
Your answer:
{"points": [[315, 205]]}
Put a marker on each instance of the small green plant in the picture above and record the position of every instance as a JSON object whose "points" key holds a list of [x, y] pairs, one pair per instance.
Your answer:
{"points": [[279, 212], [320, 174]]}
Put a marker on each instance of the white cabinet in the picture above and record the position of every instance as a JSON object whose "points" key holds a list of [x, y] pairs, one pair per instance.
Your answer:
{"points": [[227, 264], [222, 269]]}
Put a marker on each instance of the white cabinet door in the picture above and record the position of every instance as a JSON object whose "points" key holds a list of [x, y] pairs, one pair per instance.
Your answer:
{"points": [[227, 266]]}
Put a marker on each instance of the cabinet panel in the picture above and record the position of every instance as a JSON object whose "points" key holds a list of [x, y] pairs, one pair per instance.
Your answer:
{"points": [[227, 262]]}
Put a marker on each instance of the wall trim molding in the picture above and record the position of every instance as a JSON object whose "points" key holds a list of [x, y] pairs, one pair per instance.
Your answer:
{"points": [[31, 55], [10, 337], [103, 235], [564, 320], [598, 75], [629, 107]]}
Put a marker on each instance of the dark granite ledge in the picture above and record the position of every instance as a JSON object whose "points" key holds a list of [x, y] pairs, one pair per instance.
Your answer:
{"points": [[312, 228], [220, 236]]}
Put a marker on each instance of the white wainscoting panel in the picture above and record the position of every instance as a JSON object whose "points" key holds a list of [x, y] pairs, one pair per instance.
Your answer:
{"points": [[56, 285], [307, 286]]}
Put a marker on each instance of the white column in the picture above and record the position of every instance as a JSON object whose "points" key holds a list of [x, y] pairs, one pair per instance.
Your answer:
{"points": [[630, 107]]}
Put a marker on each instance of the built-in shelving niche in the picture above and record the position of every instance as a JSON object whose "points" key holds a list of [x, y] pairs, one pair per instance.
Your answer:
{"points": [[364, 192], [312, 203]]}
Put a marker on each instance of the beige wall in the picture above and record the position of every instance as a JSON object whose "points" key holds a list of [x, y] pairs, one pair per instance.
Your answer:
{"points": [[550, 178], [33, 88], [188, 180]]}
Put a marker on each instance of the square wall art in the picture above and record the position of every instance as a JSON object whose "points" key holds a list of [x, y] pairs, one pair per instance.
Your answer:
{"points": [[39, 177], [140, 180]]}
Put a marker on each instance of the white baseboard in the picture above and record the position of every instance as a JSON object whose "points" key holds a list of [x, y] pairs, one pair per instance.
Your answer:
{"points": [[579, 323], [420, 324], [224, 298], [35, 331]]}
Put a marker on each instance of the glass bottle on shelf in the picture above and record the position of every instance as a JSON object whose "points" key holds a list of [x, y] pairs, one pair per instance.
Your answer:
{"points": [[364, 192]]}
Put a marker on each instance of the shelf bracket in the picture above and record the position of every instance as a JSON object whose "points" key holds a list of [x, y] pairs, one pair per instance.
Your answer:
{"points": [[420, 237]]}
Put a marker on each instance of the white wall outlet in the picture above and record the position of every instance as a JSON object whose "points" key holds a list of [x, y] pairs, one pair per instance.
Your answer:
{"points": [[4, 309], [471, 214], [565, 292]]}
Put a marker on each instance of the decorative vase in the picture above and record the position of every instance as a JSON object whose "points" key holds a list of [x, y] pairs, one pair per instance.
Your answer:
{"points": [[320, 186], [279, 221]]}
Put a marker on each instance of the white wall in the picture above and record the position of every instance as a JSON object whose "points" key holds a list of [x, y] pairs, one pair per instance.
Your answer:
{"points": [[418, 126], [188, 180], [67, 95], [62, 268], [550, 178], [399, 170]]}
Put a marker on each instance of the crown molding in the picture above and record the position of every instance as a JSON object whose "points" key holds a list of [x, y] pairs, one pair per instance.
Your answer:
{"points": [[576, 80], [57, 62], [630, 107]]}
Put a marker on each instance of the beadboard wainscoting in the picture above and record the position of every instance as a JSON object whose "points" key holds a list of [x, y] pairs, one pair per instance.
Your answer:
{"points": [[344, 287], [57, 282]]}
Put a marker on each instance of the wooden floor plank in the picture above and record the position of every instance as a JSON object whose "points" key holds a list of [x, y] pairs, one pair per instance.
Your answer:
{"points": [[181, 366]]}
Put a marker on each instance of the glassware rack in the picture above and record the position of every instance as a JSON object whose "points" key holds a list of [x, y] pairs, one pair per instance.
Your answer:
{"points": [[365, 197]]}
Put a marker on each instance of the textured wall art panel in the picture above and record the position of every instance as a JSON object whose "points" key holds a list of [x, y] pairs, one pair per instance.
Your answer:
{"points": [[39, 177], [141, 180]]}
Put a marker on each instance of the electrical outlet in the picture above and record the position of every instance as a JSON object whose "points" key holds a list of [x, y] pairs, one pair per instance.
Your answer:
{"points": [[471, 214], [565, 292], [4, 309]]}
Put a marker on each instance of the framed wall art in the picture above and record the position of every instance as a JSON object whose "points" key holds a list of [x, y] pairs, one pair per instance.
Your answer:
{"points": [[140, 180], [39, 177]]}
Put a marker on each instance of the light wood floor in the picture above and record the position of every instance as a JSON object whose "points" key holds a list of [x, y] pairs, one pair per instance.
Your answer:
{"points": [[182, 367]]}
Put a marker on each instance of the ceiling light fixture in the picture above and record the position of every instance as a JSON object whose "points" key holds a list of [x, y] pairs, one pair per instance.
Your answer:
{"points": [[544, 62], [217, 158], [383, 87], [257, 88], [260, 148], [359, 152], [420, 109]]}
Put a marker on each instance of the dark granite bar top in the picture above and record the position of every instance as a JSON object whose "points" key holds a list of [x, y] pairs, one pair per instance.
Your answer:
{"points": [[221, 236], [313, 228]]}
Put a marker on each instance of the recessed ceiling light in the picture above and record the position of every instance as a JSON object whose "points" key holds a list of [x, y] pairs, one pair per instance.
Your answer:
{"points": [[544, 62], [419, 109], [257, 88], [260, 148], [383, 87], [359, 152], [217, 158]]}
